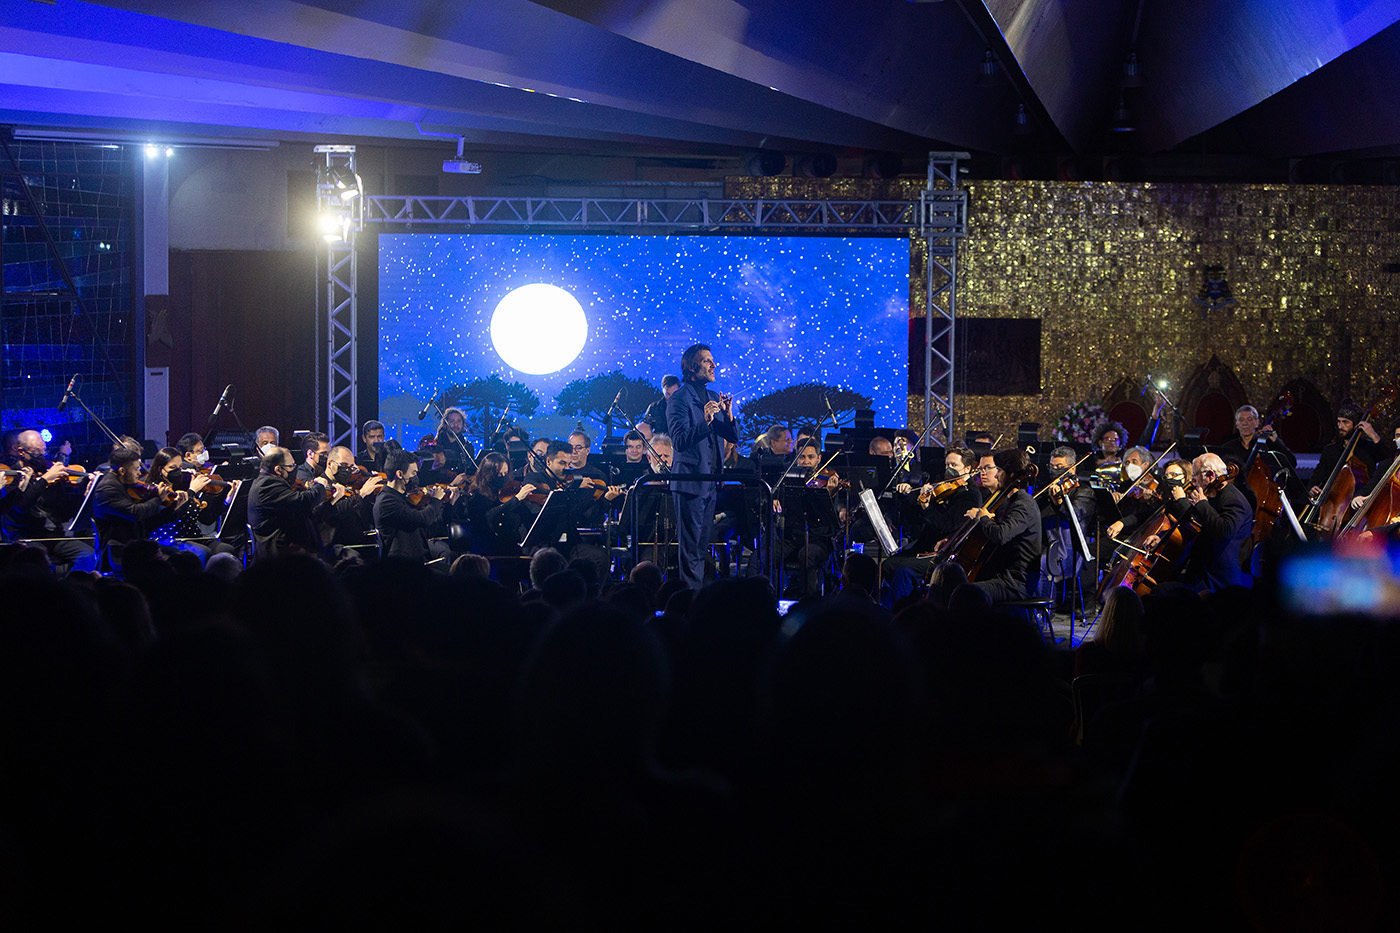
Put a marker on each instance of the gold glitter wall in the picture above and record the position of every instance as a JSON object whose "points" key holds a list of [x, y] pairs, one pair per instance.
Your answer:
{"points": [[1113, 271]]}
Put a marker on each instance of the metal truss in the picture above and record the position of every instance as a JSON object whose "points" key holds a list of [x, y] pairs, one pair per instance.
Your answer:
{"points": [[339, 221], [942, 223], [659, 214]]}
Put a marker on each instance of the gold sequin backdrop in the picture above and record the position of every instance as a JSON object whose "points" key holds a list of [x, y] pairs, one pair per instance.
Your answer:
{"points": [[1113, 271]]}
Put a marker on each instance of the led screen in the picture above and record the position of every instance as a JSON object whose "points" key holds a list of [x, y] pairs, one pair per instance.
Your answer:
{"points": [[545, 310]]}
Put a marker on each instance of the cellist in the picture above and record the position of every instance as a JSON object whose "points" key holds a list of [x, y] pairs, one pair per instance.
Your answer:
{"points": [[1012, 570], [1224, 519]]}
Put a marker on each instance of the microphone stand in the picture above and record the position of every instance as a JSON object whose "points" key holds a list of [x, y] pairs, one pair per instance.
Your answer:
{"points": [[96, 420], [229, 407], [461, 445], [1176, 412]]}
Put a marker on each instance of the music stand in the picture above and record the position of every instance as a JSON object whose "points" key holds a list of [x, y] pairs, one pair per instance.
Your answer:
{"points": [[557, 518]]}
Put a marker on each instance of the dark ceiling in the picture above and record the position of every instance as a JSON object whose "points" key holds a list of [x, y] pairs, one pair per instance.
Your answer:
{"points": [[1256, 82]]}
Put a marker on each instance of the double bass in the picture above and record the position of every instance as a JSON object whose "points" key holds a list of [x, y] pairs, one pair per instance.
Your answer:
{"points": [[1328, 512], [1259, 478]]}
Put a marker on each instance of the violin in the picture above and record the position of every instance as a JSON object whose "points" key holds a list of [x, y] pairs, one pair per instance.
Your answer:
{"points": [[301, 485], [417, 496], [940, 492], [73, 474], [512, 489], [969, 547], [828, 480], [10, 476], [145, 492]]}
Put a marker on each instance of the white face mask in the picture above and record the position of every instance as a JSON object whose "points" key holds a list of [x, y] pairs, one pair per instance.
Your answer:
{"points": [[202, 457], [267, 448], [1132, 471]]}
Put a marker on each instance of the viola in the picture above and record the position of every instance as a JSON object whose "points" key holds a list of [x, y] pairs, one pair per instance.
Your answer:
{"points": [[939, 492], [969, 546]]}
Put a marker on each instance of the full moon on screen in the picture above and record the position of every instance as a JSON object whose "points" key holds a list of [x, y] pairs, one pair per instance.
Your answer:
{"points": [[538, 329]]}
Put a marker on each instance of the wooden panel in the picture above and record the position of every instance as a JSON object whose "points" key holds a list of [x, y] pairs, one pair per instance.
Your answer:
{"points": [[246, 318]]}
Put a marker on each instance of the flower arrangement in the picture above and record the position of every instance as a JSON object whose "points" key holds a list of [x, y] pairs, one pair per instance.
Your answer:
{"points": [[1079, 422]]}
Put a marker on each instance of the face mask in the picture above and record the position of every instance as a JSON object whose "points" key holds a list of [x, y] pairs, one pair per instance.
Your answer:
{"points": [[267, 449], [951, 472], [1132, 471], [202, 457]]}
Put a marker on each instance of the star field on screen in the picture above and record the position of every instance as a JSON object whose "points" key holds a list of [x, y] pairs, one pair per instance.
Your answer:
{"points": [[777, 310]]}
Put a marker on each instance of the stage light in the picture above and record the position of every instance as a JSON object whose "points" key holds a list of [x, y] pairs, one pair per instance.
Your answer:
{"points": [[988, 72], [1163, 384], [151, 151], [347, 184], [1024, 126], [815, 165], [332, 227], [169, 151], [46, 436]]}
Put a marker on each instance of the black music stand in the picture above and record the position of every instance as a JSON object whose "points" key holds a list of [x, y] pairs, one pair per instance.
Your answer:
{"points": [[558, 517]]}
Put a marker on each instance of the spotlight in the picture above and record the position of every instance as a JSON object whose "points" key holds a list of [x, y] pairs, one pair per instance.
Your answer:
{"points": [[815, 165], [1123, 121], [1024, 126], [151, 151], [1132, 71], [332, 228], [46, 436], [765, 163], [1163, 384], [169, 151], [988, 72], [347, 184]]}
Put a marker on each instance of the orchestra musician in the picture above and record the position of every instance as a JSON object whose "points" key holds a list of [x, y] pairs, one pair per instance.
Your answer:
{"points": [[121, 517], [191, 448], [372, 449], [1368, 447], [1133, 507], [808, 525], [315, 446], [403, 526], [1221, 512], [634, 447], [452, 441], [654, 421], [1012, 570], [170, 469], [282, 517], [1108, 442], [266, 439], [655, 517], [698, 418], [1062, 559], [1248, 432], [50, 499], [350, 518], [939, 517]]}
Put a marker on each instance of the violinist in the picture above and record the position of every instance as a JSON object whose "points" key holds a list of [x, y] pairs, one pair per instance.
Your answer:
{"points": [[126, 510], [403, 526], [1135, 503], [372, 449], [283, 518], [266, 439], [490, 496], [1368, 448], [1013, 530], [1063, 559], [1214, 505], [52, 497], [350, 518], [192, 452], [315, 446], [941, 511], [168, 470], [809, 525], [1249, 433]]}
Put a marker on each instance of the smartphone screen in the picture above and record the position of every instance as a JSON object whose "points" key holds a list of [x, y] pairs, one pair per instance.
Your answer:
{"points": [[1352, 582]]}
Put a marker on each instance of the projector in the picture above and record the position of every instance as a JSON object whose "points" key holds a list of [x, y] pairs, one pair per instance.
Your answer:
{"points": [[461, 167]]}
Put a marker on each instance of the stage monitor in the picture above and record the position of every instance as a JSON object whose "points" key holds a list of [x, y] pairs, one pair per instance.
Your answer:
{"points": [[545, 310]]}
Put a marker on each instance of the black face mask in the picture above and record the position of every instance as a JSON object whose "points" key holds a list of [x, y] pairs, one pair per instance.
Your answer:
{"points": [[342, 474], [951, 472], [414, 483], [497, 481]]}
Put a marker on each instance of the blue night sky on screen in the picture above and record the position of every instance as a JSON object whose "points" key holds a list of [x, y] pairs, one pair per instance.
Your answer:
{"points": [[776, 310]]}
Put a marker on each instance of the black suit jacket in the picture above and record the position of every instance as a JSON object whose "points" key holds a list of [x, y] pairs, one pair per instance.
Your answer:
{"points": [[120, 519], [696, 444], [403, 526], [282, 519]]}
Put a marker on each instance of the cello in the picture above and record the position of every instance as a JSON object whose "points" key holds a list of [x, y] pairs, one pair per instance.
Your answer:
{"points": [[1382, 506], [1327, 513]]}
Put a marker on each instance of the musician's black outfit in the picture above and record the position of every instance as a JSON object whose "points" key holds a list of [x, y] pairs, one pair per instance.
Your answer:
{"points": [[1012, 571], [403, 527], [42, 512], [906, 569], [1226, 524], [119, 519], [284, 520], [809, 529]]}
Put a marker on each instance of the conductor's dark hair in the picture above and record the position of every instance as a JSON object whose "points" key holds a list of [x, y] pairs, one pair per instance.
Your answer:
{"points": [[399, 460], [690, 360]]}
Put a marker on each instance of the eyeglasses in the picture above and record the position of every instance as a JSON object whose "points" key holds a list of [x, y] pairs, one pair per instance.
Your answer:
{"points": [[986, 469], [578, 447]]}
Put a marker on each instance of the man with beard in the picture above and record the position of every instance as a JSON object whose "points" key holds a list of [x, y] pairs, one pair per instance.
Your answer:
{"points": [[1368, 449], [118, 517]]}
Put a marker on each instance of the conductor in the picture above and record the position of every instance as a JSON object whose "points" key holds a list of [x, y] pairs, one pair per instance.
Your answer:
{"points": [[697, 419]]}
